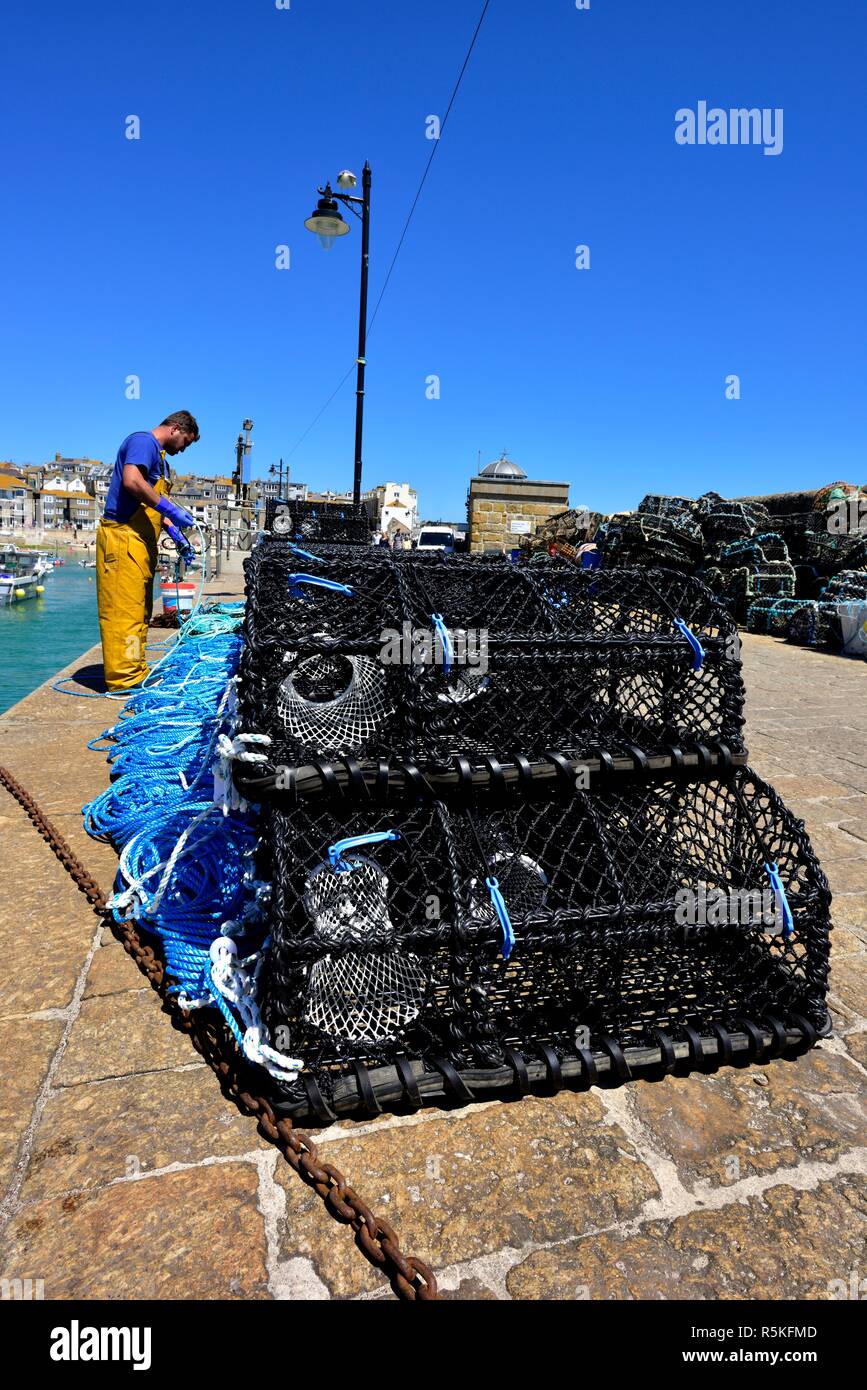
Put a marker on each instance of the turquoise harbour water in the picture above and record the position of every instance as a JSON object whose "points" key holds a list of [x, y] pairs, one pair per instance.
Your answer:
{"points": [[40, 635]]}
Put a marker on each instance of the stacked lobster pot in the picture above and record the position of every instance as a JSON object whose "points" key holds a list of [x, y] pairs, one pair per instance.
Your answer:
{"points": [[671, 539], [821, 622], [772, 616], [513, 841], [751, 568], [329, 523], [656, 504]]}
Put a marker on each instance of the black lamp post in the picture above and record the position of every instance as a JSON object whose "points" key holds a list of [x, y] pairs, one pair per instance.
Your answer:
{"points": [[274, 469], [328, 224], [242, 450]]}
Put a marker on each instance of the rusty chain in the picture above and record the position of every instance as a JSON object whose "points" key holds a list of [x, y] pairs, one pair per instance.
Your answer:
{"points": [[409, 1276]]}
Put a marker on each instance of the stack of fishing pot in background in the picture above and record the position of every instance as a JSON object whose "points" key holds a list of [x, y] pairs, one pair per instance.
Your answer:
{"points": [[512, 839]]}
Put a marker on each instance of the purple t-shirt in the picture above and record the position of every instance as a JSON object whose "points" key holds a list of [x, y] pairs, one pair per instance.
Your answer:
{"points": [[143, 450]]}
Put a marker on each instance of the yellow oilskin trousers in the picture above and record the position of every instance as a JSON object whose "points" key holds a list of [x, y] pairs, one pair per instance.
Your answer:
{"points": [[126, 562]]}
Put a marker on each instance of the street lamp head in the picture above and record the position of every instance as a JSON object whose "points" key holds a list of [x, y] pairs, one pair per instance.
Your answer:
{"points": [[326, 221], [346, 179]]}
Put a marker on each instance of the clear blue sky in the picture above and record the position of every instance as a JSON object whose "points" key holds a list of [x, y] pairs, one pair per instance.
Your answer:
{"points": [[156, 257]]}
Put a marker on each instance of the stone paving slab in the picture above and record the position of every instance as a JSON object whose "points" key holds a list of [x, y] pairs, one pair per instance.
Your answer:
{"points": [[737, 1124], [33, 1048], [461, 1187], [121, 1035], [786, 1244], [121, 1157], [92, 1135], [193, 1234], [46, 928]]}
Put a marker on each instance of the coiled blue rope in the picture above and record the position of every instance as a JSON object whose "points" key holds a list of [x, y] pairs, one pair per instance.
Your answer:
{"points": [[186, 869]]}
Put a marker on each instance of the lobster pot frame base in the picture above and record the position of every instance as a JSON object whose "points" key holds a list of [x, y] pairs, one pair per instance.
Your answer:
{"points": [[618, 966]]}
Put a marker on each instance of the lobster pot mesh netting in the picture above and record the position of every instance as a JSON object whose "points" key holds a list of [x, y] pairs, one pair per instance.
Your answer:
{"points": [[428, 661], [639, 910]]}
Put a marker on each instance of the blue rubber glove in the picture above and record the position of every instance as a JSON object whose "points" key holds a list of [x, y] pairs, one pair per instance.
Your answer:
{"points": [[169, 509], [185, 550]]}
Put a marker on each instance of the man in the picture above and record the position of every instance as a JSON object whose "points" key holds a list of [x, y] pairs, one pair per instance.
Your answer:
{"points": [[136, 507]]}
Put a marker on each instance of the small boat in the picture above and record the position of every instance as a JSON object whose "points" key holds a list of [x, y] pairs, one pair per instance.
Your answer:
{"points": [[46, 563], [21, 575]]}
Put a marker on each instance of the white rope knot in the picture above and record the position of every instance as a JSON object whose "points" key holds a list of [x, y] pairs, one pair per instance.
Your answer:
{"points": [[237, 981], [233, 747]]}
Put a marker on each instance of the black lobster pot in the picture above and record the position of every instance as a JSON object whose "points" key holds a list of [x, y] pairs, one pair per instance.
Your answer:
{"points": [[430, 664], [635, 938], [667, 539], [332, 522], [773, 615]]}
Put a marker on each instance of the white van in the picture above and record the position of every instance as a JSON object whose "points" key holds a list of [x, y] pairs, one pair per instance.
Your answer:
{"points": [[437, 538]]}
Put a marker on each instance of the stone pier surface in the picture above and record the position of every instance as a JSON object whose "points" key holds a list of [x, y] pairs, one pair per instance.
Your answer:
{"points": [[126, 1174]]}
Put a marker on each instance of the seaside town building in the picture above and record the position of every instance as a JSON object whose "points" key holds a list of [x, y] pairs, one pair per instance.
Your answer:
{"points": [[393, 510], [16, 503]]}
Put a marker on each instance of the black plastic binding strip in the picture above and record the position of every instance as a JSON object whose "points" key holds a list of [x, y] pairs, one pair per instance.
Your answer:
{"points": [[565, 775], [382, 780], [355, 776], [638, 757], [757, 1043], [807, 1029], [590, 1071], [416, 779], [496, 774], [606, 762], [408, 1081], [704, 758], [465, 774], [619, 1064], [724, 1056], [366, 1093], [697, 1056], [724, 756], [329, 776], [778, 1032], [666, 1047], [525, 770], [519, 1067], [676, 754], [318, 1104], [552, 1066], [453, 1079]]}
